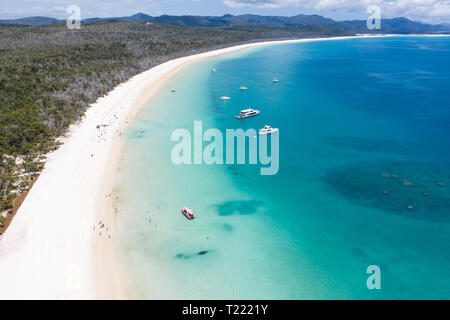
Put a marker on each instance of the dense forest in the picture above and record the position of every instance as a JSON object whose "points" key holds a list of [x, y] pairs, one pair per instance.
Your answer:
{"points": [[49, 75]]}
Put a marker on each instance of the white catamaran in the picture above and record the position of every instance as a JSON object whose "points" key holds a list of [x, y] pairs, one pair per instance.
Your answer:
{"points": [[267, 130], [247, 113]]}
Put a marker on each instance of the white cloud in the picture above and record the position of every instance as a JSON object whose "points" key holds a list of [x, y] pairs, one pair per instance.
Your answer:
{"points": [[264, 3], [434, 11], [89, 8]]}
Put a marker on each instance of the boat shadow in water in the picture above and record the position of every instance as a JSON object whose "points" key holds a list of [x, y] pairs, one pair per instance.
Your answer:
{"points": [[186, 256], [409, 189], [241, 207]]}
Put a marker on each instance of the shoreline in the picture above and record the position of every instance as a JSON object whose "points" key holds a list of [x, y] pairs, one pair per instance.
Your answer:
{"points": [[56, 247]]}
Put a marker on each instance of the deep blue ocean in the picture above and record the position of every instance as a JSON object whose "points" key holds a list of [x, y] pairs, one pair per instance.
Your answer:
{"points": [[364, 177]]}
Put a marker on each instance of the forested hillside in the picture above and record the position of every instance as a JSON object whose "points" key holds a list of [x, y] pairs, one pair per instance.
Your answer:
{"points": [[393, 25]]}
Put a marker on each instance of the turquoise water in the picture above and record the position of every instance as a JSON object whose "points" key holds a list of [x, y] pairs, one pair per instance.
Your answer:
{"points": [[364, 134]]}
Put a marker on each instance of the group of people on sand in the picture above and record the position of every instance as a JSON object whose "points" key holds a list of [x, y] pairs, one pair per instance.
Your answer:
{"points": [[100, 227]]}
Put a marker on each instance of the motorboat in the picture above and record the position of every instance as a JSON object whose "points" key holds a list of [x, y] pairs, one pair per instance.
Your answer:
{"points": [[267, 130], [247, 113], [213, 70], [224, 98], [275, 80], [243, 88], [188, 213]]}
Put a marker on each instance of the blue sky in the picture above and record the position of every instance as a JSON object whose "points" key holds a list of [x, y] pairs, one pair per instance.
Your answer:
{"points": [[431, 11]]}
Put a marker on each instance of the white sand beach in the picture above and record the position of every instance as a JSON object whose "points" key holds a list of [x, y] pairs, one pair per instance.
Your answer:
{"points": [[60, 245]]}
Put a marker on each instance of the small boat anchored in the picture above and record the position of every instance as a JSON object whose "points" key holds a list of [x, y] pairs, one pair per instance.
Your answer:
{"points": [[275, 80], [213, 70], [188, 213], [224, 98], [247, 113], [243, 88], [267, 130]]}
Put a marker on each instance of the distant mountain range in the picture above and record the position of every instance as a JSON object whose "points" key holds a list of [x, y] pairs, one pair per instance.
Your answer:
{"points": [[395, 25], [31, 21]]}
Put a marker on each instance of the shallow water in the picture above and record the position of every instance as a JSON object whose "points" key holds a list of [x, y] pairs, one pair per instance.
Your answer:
{"points": [[364, 136]]}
